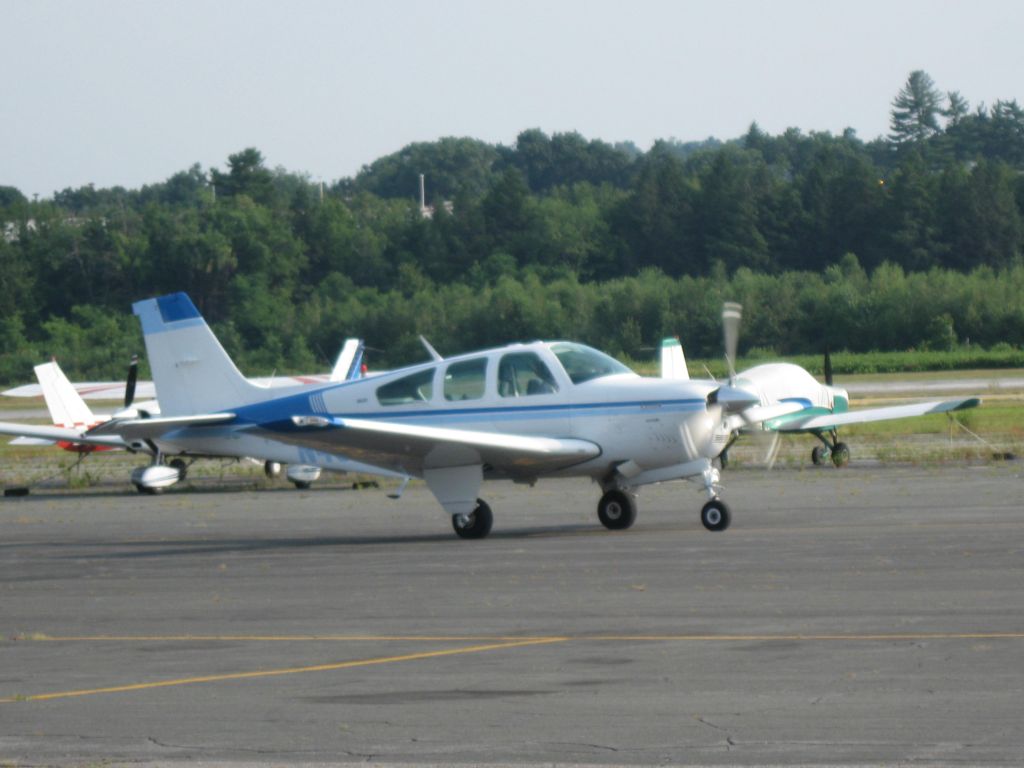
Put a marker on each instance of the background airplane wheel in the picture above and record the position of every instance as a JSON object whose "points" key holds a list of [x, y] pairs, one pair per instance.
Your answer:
{"points": [[477, 524], [818, 455], [616, 510], [272, 469], [302, 485], [181, 466], [841, 455], [715, 515]]}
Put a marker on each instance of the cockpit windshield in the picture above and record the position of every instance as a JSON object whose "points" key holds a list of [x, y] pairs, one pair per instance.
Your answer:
{"points": [[584, 363]]}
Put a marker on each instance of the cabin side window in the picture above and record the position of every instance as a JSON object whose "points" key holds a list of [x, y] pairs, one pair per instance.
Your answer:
{"points": [[415, 388], [465, 380], [524, 373]]}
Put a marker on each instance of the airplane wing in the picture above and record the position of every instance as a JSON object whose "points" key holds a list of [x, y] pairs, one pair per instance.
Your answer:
{"points": [[90, 390], [823, 422], [60, 434], [411, 448]]}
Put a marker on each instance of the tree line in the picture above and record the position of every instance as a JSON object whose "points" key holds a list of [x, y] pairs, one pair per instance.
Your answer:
{"points": [[909, 240]]}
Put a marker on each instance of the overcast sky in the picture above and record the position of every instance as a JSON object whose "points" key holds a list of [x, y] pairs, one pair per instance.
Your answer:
{"points": [[129, 92]]}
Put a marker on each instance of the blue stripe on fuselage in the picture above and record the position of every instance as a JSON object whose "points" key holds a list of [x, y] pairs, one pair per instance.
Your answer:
{"points": [[801, 400], [283, 409]]}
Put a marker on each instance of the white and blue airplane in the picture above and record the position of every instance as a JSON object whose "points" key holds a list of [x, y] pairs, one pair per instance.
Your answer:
{"points": [[521, 412]]}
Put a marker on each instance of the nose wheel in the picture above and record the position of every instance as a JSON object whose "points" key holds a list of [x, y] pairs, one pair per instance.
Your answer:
{"points": [[715, 515]]}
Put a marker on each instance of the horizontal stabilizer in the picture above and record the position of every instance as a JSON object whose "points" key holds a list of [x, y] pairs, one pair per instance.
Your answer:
{"points": [[149, 429], [61, 434], [31, 441]]}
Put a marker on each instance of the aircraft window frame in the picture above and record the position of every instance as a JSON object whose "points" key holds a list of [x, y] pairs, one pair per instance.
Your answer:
{"points": [[573, 357], [465, 380], [415, 388], [531, 373]]}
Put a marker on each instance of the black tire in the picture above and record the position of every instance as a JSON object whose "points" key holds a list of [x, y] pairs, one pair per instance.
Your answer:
{"points": [[477, 524], [616, 510], [271, 469], [302, 485], [818, 455], [715, 515], [181, 466], [841, 455]]}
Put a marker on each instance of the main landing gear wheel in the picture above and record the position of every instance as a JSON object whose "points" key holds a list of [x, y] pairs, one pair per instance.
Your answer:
{"points": [[616, 510], [181, 466], [715, 515], [841, 454], [475, 525], [819, 455]]}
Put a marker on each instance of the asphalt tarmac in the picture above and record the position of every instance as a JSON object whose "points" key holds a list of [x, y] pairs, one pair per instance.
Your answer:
{"points": [[863, 616]]}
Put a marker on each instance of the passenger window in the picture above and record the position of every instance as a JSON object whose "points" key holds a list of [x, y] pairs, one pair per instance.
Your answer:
{"points": [[415, 388], [465, 380], [523, 373]]}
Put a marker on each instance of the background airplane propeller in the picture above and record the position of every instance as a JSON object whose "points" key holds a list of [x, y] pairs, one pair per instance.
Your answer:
{"points": [[129, 385], [732, 313]]}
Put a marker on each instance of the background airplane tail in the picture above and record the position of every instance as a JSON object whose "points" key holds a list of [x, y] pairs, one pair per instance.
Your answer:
{"points": [[673, 363], [191, 371], [350, 361], [65, 404]]}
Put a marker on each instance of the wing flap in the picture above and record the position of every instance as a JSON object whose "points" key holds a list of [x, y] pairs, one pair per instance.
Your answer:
{"points": [[413, 447], [830, 420]]}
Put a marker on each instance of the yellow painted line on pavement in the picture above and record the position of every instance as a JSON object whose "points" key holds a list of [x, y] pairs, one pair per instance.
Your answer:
{"points": [[281, 672], [523, 639], [42, 638], [882, 637], [491, 644]]}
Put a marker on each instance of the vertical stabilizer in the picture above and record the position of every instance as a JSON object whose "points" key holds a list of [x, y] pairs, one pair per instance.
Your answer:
{"points": [[65, 404], [673, 363], [350, 361], [191, 371]]}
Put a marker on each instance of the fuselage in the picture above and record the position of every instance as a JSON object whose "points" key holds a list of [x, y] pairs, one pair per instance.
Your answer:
{"points": [[556, 389]]}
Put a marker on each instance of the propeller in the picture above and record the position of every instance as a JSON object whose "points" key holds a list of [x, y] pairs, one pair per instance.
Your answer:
{"points": [[729, 396], [731, 315], [129, 385]]}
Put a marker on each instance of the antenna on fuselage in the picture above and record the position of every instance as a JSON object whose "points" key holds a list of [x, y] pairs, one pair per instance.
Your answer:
{"points": [[430, 350]]}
